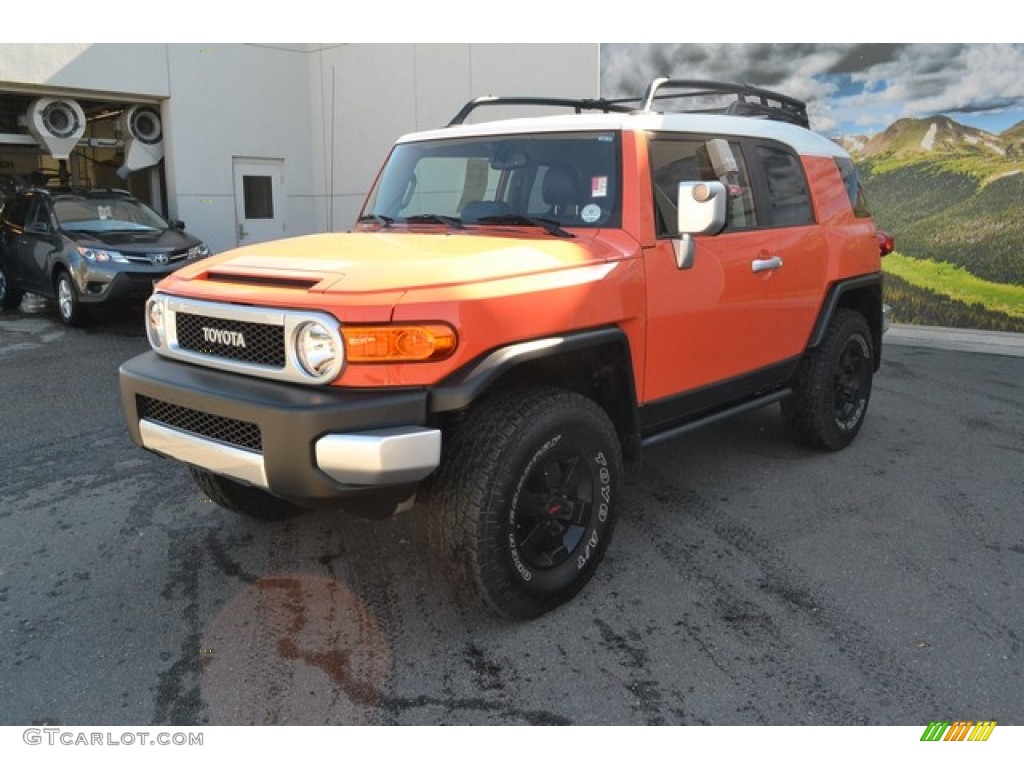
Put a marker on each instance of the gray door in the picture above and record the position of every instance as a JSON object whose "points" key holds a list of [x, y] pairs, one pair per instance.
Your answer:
{"points": [[259, 199]]}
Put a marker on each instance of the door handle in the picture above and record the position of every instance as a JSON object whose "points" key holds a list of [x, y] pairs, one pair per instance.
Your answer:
{"points": [[242, 234], [766, 265]]}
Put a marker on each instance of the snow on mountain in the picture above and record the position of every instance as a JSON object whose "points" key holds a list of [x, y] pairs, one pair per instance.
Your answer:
{"points": [[928, 135]]}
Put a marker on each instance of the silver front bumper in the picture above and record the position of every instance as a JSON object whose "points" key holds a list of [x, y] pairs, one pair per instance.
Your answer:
{"points": [[378, 457]]}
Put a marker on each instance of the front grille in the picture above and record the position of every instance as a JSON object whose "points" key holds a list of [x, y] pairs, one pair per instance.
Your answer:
{"points": [[149, 258], [241, 434], [232, 339]]}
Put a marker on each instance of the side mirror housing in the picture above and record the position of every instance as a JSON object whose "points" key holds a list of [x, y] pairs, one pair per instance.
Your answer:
{"points": [[701, 209]]}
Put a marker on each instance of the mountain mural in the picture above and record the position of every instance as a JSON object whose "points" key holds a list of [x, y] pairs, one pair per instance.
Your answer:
{"points": [[953, 196], [947, 179]]}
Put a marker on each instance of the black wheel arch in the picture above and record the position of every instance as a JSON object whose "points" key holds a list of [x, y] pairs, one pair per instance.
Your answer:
{"points": [[862, 294], [596, 363]]}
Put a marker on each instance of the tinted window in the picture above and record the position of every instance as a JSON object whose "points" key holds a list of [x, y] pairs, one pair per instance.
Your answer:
{"points": [[789, 202], [675, 159], [15, 210], [854, 190]]}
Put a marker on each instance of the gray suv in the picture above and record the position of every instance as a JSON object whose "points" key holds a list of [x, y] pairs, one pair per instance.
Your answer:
{"points": [[87, 248]]}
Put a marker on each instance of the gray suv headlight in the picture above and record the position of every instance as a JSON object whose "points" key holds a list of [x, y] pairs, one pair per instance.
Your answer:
{"points": [[101, 255]]}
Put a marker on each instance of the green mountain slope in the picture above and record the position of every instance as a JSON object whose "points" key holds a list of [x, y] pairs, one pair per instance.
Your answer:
{"points": [[951, 195], [950, 192], [916, 305], [954, 217]]}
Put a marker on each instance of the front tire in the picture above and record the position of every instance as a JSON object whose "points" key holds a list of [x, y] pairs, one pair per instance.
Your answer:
{"points": [[69, 305], [243, 499], [10, 296], [833, 388], [523, 507]]}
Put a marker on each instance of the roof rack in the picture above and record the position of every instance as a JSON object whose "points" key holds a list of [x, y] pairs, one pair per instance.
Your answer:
{"points": [[579, 105], [749, 101], [87, 191]]}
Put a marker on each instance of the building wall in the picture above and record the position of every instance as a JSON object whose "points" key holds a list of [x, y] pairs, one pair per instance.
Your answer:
{"points": [[77, 69], [232, 101], [367, 95], [330, 112]]}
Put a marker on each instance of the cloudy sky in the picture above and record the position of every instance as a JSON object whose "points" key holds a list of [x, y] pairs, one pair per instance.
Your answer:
{"points": [[850, 88]]}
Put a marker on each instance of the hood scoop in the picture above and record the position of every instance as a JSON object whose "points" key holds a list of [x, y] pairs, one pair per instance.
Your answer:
{"points": [[267, 280]]}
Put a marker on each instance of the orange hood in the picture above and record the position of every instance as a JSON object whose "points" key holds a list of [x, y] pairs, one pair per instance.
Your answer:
{"points": [[388, 262]]}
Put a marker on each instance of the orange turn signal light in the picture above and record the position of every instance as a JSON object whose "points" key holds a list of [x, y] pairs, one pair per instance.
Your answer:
{"points": [[397, 343]]}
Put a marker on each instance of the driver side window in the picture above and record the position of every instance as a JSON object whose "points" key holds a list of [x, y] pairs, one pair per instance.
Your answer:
{"points": [[14, 212], [677, 159]]}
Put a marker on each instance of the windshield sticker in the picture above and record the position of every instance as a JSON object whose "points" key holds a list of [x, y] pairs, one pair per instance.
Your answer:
{"points": [[599, 186], [103, 212], [590, 213]]}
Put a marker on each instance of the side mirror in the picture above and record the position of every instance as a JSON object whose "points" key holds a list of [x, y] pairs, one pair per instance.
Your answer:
{"points": [[176, 223], [37, 228], [702, 207]]}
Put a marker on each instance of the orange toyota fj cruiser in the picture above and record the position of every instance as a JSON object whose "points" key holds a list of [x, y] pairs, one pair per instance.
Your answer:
{"points": [[521, 304]]}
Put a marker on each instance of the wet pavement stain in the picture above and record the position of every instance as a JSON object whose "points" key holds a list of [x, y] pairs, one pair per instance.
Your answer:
{"points": [[295, 645]]}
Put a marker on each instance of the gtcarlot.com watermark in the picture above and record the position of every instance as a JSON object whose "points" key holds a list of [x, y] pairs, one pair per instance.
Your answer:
{"points": [[72, 738]]}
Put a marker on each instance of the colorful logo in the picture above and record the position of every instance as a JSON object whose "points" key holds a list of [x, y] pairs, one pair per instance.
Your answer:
{"points": [[960, 730]]}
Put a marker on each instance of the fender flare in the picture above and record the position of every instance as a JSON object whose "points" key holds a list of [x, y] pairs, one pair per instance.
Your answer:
{"points": [[871, 283], [460, 389]]}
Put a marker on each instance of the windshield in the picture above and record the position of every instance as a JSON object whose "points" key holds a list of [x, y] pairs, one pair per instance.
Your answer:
{"points": [[107, 214], [552, 180]]}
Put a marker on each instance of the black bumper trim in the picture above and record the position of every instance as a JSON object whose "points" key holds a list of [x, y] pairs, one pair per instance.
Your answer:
{"points": [[290, 417]]}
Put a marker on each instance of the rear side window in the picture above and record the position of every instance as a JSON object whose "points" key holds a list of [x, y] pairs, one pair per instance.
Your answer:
{"points": [[854, 190], [789, 201]]}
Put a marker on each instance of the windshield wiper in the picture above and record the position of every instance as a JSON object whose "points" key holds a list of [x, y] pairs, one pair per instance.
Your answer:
{"points": [[550, 226], [384, 221], [451, 221]]}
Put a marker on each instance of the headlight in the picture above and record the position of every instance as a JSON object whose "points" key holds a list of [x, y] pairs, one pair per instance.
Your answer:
{"points": [[319, 355], [155, 322], [200, 251], [101, 255]]}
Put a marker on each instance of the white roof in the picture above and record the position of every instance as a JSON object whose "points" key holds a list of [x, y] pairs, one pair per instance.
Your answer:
{"points": [[802, 140]]}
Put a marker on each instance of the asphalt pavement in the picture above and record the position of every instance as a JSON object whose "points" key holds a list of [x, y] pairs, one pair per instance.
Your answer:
{"points": [[749, 582]]}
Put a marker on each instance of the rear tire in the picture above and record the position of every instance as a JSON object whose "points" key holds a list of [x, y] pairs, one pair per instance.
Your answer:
{"points": [[522, 510], [243, 499], [830, 400]]}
